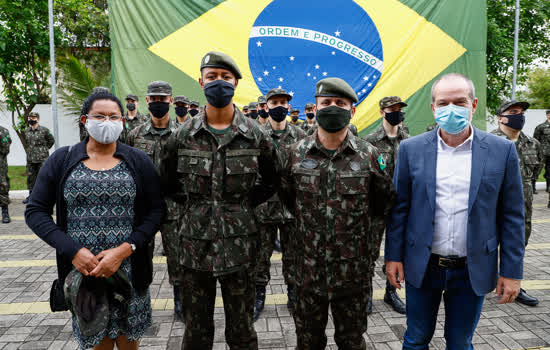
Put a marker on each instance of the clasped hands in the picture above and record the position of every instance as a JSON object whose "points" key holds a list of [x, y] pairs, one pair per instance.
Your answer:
{"points": [[104, 264]]}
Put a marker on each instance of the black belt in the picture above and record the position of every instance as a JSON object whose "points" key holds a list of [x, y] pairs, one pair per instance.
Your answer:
{"points": [[448, 262]]}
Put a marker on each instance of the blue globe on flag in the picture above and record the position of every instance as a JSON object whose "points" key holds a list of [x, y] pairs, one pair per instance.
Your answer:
{"points": [[294, 44]]}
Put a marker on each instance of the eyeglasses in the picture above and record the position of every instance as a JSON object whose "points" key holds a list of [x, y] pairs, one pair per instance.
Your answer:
{"points": [[102, 118]]}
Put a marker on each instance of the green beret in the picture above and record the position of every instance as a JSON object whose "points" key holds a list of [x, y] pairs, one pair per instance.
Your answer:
{"points": [[309, 105], [277, 92], [253, 106], [390, 101], [159, 88], [294, 110], [262, 99], [181, 99], [132, 97], [507, 104], [335, 87], [215, 59]]}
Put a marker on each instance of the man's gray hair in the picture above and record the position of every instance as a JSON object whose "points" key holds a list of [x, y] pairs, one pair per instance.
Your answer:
{"points": [[472, 88]]}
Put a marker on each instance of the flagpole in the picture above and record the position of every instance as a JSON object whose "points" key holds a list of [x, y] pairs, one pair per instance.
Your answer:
{"points": [[52, 73], [516, 40]]}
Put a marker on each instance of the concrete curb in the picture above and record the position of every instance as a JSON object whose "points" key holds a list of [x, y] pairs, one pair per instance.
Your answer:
{"points": [[21, 194]]}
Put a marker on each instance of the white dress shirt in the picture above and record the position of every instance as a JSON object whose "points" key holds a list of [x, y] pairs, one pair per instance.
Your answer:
{"points": [[452, 192]]}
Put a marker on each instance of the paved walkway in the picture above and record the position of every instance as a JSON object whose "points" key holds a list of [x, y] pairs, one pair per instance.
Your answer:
{"points": [[27, 269]]}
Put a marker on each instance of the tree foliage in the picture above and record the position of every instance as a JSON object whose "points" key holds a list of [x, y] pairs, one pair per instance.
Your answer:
{"points": [[538, 89], [534, 44]]}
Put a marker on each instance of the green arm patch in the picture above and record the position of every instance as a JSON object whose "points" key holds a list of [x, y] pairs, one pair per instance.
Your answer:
{"points": [[382, 162]]}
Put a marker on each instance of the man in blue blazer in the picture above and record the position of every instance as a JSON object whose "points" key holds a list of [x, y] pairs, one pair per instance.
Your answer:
{"points": [[459, 197]]}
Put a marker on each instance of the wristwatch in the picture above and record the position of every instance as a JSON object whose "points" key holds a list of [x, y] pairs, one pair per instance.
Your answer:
{"points": [[133, 247]]}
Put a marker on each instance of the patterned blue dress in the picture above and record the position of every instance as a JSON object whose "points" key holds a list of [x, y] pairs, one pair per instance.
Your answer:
{"points": [[100, 215]]}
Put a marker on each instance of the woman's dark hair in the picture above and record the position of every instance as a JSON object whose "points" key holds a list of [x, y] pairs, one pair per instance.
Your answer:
{"points": [[89, 101]]}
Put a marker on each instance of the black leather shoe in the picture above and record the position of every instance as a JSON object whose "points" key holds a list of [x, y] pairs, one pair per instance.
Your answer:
{"points": [[535, 188], [178, 308], [526, 299], [259, 304], [5, 215], [547, 186], [26, 200], [277, 245], [392, 299], [291, 298]]}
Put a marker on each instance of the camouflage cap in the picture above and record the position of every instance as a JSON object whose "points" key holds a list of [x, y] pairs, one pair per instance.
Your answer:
{"points": [[309, 105], [262, 100], [294, 110], [253, 106], [100, 89], [277, 92], [216, 59], [335, 87], [132, 97], [194, 103], [245, 107], [181, 98], [507, 104], [34, 114], [390, 101], [159, 88]]}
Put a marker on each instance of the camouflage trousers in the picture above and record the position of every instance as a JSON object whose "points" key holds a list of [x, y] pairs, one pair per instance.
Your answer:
{"points": [[349, 314], [32, 174], [547, 168], [170, 242], [528, 201], [198, 296], [4, 188], [377, 230], [268, 235]]}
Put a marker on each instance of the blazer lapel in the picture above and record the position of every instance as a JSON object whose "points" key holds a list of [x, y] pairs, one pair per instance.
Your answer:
{"points": [[479, 157], [430, 166]]}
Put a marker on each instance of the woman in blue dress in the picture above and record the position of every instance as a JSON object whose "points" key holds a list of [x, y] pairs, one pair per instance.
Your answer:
{"points": [[108, 206]]}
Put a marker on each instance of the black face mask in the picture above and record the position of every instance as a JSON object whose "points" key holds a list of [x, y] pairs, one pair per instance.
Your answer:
{"points": [[394, 118], [310, 115], [333, 118], [278, 114], [219, 93], [181, 111], [193, 112], [253, 115], [263, 114], [295, 118], [515, 121], [130, 106], [159, 109], [32, 122]]}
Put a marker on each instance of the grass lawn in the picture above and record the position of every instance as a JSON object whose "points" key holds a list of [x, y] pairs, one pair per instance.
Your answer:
{"points": [[18, 177]]}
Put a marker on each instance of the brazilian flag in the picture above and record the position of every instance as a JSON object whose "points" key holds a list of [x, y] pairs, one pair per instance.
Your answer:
{"points": [[381, 48]]}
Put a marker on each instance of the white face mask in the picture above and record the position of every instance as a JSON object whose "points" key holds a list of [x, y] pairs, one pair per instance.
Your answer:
{"points": [[105, 132]]}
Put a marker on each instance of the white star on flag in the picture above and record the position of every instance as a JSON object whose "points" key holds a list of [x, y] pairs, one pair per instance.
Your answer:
{"points": [[259, 43], [308, 74], [365, 78], [316, 66], [315, 78], [359, 93], [333, 53], [274, 67], [369, 84], [260, 79], [364, 90], [266, 73], [281, 79], [292, 58], [291, 93], [279, 87], [337, 33], [374, 76], [324, 74]]}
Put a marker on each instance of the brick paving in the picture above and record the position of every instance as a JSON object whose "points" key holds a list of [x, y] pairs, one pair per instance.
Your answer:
{"points": [[511, 326]]}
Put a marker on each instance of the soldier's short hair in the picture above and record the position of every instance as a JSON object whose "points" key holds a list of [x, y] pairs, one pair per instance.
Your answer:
{"points": [[548, 111], [472, 88]]}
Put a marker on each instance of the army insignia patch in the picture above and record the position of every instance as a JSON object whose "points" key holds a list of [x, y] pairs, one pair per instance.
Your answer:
{"points": [[382, 162], [309, 164], [355, 166], [206, 59]]}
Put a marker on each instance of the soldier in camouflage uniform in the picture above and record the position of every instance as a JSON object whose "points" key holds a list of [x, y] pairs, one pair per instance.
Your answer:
{"points": [[151, 137], [220, 165], [132, 118], [262, 110], [253, 110], [39, 141], [245, 110], [193, 108], [272, 215], [387, 139], [5, 142], [295, 116], [511, 120], [309, 123], [333, 180], [181, 107], [542, 134]]}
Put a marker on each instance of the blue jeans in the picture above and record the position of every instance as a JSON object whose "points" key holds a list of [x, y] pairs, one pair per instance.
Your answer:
{"points": [[462, 309]]}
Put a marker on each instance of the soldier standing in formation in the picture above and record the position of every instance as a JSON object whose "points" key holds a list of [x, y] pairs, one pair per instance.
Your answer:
{"points": [[542, 134], [5, 142], [133, 117], [333, 181], [193, 108], [253, 110], [39, 141], [511, 120], [309, 123], [245, 110], [262, 110], [151, 137], [387, 139], [221, 165], [181, 107], [273, 216], [295, 116]]}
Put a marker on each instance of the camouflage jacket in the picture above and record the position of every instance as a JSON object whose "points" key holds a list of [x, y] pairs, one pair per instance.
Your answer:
{"points": [[387, 146], [542, 134], [130, 125], [151, 141], [39, 141], [220, 179], [5, 142], [530, 156], [351, 128], [273, 210], [333, 197], [306, 127]]}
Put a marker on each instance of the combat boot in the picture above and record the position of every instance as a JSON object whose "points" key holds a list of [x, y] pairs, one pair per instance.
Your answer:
{"points": [[392, 299], [369, 305], [259, 303], [547, 185], [291, 298], [5, 215], [277, 246], [535, 187], [178, 308]]}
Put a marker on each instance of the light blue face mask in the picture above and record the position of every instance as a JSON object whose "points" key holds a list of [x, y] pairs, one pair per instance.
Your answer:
{"points": [[453, 119]]}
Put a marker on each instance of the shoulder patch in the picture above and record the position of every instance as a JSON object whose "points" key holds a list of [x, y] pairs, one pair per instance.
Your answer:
{"points": [[382, 162], [309, 164], [355, 166]]}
